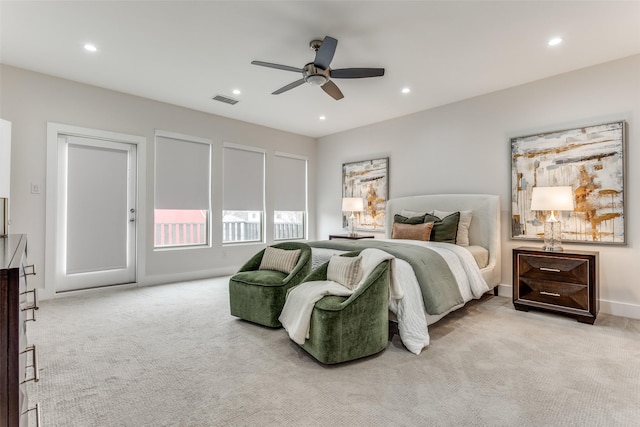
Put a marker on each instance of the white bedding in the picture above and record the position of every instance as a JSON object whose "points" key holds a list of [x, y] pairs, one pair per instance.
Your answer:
{"points": [[413, 320], [480, 254]]}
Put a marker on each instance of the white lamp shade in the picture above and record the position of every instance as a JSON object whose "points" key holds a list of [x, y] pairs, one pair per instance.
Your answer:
{"points": [[552, 199], [352, 204]]}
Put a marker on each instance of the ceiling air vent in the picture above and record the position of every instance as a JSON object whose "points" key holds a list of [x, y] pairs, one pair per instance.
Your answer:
{"points": [[225, 99]]}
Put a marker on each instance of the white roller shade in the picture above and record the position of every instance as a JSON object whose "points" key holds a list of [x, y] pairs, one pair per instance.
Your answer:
{"points": [[183, 174], [243, 179], [290, 191], [97, 213]]}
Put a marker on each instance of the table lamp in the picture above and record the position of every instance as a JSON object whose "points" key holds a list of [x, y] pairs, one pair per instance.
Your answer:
{"points": [[352, 204], [552, 199]]}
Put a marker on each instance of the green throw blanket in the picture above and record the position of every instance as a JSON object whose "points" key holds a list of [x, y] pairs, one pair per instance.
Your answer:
{"points": [[437, 283]]}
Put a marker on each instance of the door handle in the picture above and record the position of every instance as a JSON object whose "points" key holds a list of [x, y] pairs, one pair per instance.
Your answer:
{"points": [[132, 215]]}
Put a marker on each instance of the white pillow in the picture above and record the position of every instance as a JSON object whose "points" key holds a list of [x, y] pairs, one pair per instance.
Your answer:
{"points": [[345, 270], [279, 259], [462, 238], [410, 214]]}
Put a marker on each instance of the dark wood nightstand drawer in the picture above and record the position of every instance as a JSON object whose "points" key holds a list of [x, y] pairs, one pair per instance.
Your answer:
{"points": [[561, 269], [555, 293], [560, 282]]}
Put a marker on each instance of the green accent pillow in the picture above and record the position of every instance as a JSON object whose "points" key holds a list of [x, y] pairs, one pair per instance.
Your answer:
{"points": [[444, 230], [413, 220]]}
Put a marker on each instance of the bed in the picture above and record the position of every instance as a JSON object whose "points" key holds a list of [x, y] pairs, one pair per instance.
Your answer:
{"points": [[428, 292]]}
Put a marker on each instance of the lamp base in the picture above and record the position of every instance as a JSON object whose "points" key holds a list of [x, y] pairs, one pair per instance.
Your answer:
{"points": [[556, 248], [352, 225], [552, 236]]}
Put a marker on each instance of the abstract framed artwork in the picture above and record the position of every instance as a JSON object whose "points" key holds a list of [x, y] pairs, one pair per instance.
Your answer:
{"points": [[591, 160], [368, 179]]}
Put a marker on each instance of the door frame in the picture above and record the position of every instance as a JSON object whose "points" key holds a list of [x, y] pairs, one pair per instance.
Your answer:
{"points": [[54, 130]]}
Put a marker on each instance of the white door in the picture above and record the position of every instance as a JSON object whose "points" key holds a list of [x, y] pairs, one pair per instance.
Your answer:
{"points": [[95, 213]]}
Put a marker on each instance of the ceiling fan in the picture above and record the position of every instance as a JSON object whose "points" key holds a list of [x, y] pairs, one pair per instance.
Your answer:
{"points": [[318, 72]]}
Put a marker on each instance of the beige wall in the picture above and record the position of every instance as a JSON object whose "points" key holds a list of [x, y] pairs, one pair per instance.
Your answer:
{"points": [[29, 100], [464, 148], [461, 147]]}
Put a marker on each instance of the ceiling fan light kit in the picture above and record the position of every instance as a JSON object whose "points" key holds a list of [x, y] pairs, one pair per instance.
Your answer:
{"points": [[319, 73], [315, 76]]}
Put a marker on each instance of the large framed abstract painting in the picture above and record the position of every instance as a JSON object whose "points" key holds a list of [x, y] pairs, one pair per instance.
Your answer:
{"points": [[589, 159], [368, 179]]}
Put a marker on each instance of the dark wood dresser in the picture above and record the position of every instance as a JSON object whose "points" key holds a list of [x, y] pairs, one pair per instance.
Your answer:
{"points": [[559, 282], [17, 358]]}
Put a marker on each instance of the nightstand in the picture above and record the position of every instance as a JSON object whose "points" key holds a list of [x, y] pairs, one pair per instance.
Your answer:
{"points": [[351, 237], [558, 282]]}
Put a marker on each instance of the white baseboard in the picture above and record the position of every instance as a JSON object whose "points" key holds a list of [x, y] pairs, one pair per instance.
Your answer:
{"points": [[504, 290], [48, 293], [614, 308], [621, 309], [185, 277]]}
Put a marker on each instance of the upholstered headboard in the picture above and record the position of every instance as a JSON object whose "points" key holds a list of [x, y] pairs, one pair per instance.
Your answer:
{"points": [[485, 223]]}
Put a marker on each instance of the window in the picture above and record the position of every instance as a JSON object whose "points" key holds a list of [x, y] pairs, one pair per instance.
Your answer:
{"points": [[182, 190], [243, 205], [290, 197]]}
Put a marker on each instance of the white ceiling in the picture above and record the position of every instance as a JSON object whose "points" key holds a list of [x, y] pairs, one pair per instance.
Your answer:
{"points": [[185, 52]]}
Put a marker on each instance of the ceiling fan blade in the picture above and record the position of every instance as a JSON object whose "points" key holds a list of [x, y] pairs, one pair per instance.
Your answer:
{"points": [[288, 87], [356, 73], [277, 66], [325, 53], [331, 88]]}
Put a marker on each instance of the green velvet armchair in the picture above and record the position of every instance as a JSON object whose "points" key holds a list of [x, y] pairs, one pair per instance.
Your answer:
{"points": [[258, 295], [348, 328]]}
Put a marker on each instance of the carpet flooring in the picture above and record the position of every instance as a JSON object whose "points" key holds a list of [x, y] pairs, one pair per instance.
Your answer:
{"points": [[171, 355]]}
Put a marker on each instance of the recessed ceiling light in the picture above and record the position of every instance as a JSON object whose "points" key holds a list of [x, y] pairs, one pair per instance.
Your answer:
{"points": [[236, 92], [322, 118], [555, 41], [406, 90], [90, 47]]}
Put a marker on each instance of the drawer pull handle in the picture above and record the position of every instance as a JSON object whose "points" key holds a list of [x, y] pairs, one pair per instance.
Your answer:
{"points": [[37, 409], [30, 309], [32, 305], [553, 270], [34, 364], [551, 294], [32, 267]]}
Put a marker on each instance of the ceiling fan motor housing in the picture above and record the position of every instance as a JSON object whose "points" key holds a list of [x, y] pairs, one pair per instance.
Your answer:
{"points": [[314, 75]]}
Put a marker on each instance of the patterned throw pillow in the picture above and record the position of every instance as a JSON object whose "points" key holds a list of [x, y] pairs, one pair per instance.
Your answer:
{"points": [[345, 270], [279, 259], [412, 231]]}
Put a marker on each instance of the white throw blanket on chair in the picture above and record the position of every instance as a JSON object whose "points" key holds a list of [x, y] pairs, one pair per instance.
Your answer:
{"points": [[296, 313]]}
